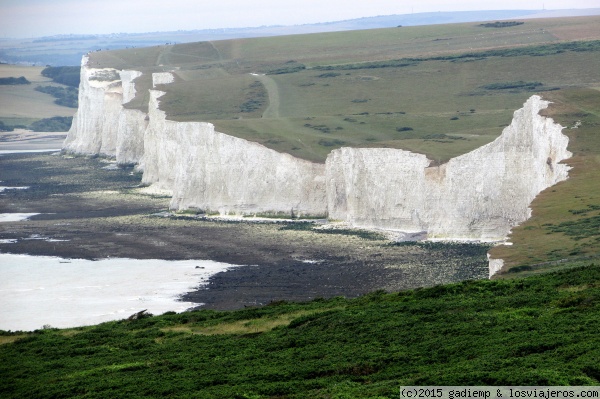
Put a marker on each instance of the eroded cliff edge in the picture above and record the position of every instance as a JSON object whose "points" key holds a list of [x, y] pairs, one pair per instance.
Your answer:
{"points": [[480, 195]]}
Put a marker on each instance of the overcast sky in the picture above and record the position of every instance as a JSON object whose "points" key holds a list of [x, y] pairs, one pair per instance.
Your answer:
{"points": [[34, 18]]}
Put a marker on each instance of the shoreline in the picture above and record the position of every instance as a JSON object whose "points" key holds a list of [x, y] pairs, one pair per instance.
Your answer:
{"points": [[66, 293], [25, 140], [90, 212]]}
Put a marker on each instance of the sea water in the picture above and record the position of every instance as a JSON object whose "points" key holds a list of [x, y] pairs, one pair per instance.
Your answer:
{"points": [[38, 291]]}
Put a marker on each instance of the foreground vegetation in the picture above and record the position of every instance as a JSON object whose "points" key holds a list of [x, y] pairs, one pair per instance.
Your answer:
{"points": [[536, 331]]}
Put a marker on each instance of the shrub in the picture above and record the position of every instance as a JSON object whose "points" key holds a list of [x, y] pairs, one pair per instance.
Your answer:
{"points": [[331, 143], [65, 96], [14, 81], [519, 85], [66, 75], [290, 68], [328, 75], [54, 124], [503, 24]]}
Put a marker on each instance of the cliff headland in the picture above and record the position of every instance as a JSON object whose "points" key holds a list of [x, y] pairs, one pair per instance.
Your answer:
{"points": [[428, 141], [480, 195]]}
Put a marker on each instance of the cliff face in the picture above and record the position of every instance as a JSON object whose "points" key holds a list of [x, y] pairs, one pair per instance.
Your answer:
{"points": [[480, 195], [377, 187], [213, 171], [132, 124], [101, 125]]}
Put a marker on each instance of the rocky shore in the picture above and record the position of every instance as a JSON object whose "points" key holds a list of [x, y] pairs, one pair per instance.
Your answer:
{"points": [[91, 208]]}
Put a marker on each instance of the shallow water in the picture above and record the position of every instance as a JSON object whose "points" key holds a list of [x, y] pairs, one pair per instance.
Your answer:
{"points": [[15, 217], [38, 290], [21, 151], [3, 188]]}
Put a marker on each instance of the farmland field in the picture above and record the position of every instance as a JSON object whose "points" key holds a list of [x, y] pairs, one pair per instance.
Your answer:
{"points": [[22, 104]]}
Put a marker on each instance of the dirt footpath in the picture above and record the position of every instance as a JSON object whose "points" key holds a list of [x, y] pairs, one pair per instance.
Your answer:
{"points": [[89, 208]]}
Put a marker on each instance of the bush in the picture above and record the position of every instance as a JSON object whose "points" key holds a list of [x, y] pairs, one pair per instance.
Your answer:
{"points": [[518, 85], [14, 81], [504, 24], [331, 143], [66, 75], [290, 68], [65, 96], [54, 124], [328, 75]]}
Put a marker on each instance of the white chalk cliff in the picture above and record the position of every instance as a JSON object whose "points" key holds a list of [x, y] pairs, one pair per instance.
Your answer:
{"points": [[480, 195], [101, 125]]}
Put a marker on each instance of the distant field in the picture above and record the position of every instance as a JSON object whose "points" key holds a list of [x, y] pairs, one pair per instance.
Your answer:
{"points": [[425, 89], [21, 104]]}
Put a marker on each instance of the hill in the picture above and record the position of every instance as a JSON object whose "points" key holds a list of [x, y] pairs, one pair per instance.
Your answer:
{"points": [[439, 90], [68, 49], [536, 331]]}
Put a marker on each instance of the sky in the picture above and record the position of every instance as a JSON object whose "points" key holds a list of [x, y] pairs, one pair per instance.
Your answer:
{"points": [[35, 18]]}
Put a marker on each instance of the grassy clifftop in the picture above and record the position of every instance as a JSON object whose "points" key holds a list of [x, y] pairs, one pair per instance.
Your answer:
{"points": [[536, 331], [439, 90]]}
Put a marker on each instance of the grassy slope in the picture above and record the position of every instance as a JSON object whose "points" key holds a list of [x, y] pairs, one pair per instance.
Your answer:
{"points": [[21, 104], [536, 331], [316, 114], [565, 222]]}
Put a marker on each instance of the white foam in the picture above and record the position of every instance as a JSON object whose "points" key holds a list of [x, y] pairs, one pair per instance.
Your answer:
{"points": [[15, 217], [38, 290], [3, 188], [2, 152]]}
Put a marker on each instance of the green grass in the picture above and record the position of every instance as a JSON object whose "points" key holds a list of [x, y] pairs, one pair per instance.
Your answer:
{"points": [[540, 330], [324, 91]]}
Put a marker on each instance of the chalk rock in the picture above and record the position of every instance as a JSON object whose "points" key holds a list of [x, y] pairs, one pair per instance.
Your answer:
{"points": [[216, 172], [480, 195], [101, 126]]}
